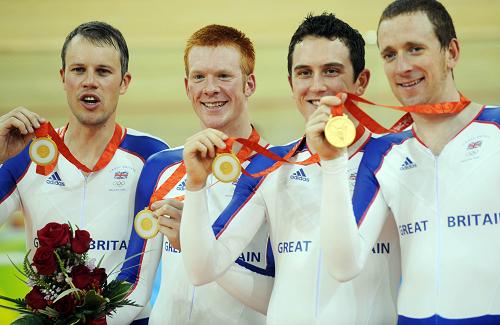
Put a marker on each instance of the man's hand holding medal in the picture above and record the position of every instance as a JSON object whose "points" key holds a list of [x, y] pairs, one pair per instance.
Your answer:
{"points": [[17, 128], [329, 131]]}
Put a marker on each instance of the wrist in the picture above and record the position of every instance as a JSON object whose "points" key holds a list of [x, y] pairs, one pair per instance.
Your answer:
{"points": [[194, 185]]}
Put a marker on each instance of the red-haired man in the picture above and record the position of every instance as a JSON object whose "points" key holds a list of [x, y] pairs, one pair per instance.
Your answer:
{"points": [[219, 62]]}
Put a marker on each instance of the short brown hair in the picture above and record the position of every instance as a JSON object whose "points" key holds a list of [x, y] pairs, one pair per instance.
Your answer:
{"points": [[436, 13], [219, 35]]}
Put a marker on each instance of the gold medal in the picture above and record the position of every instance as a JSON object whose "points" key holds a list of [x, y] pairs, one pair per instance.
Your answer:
{"points": [[340, 131], [226, 167], [43, 151], [145, 224]]}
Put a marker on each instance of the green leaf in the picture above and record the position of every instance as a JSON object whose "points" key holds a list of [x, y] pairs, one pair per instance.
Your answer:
{"points": [[117, 290], [100, 261], [18, 309], [93, 300], [60, 262], [127, 259], [15, 266], [22, 280], [67, 292], [31, 320], [17, 301]]}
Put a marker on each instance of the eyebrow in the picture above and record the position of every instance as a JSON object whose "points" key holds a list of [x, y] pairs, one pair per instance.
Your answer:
{"points": [[406, 45], [326, 65], [77, 64], [223, 71]]}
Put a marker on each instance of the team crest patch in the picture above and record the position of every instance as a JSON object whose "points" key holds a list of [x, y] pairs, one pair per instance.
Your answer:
{"points": [[474, 145], [119, 178], [121, 175], [472, 148]]}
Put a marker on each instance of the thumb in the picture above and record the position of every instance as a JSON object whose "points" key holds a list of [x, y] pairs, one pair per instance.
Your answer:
{"points": [[330, 100]]}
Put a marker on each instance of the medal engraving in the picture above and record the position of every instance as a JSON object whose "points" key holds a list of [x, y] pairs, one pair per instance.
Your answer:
{"points": [[226, 167], [43, 151], [145, 224], [340, 131]]}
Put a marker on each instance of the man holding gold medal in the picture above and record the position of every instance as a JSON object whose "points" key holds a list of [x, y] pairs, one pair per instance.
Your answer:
{"points": [[51, 179], [440, 180], [325, 56], [219, 63]]}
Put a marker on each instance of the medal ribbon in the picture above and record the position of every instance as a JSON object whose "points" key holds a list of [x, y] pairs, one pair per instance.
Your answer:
{"points": [[406, 120], [180, 171], [364, 121], [46, 129], [255, 146]]}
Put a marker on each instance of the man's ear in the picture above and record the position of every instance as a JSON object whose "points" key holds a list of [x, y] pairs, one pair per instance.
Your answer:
{"points": [[362, 82], [250, 85]]}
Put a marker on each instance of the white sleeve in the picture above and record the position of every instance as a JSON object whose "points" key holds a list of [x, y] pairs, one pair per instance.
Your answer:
{"points": [[250, 288], [345, 246], [205, 257]]}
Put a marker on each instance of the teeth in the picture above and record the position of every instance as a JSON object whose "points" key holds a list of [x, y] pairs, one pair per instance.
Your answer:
{"points": [[90, 99], [410, 84], [315, 102], [214, 104]]}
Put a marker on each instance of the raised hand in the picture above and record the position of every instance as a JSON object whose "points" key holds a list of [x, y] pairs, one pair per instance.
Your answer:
{"points": [[199, 152], [17, 128], [315, 128]]}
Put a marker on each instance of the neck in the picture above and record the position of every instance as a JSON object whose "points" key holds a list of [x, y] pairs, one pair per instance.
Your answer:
{"points": [[435, 131], [87, 143]]}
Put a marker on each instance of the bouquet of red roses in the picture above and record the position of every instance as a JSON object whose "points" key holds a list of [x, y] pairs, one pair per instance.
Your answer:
{"points": [[67, 287]]}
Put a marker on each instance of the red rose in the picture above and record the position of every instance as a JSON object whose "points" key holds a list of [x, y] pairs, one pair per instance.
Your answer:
{"points": [[35, 299], [54, 234], [80, 276], [66, 305], [99, 276], [97, 321], [44, 260], [81, 243]]}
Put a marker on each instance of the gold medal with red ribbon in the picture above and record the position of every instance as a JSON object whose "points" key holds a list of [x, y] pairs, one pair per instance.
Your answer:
{"points": [[146, 224], [226, 166], [45, 149], [339, 129]]}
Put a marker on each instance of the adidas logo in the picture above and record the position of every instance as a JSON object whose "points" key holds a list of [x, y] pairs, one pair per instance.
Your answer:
{"points": [[181, 186], [408, 164], [55, 179], [300, 176]]}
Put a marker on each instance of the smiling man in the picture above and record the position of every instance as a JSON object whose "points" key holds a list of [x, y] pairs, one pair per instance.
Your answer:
{"points": [[94, 74], [439, 180], [219, 63], [325, 56]]}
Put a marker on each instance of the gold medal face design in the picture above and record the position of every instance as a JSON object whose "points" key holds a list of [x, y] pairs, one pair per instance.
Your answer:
{"points": [[226, 167], [340, 131], [43, 151], [145, 224]]}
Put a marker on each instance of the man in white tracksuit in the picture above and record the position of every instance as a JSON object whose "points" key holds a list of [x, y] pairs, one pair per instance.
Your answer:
{"points": [[94, 74], [440, 180], [219, 62], [325, 56]]}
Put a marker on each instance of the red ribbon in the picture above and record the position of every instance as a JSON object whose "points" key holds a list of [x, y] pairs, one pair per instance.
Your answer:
{"points": [[180, 171], [406, 120], [46, 129], [364, 121]]}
